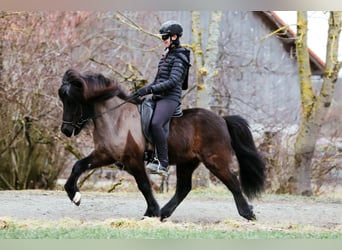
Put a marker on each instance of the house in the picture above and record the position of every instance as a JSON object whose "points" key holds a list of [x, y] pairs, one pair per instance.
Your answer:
{"points": [[287, 36], [259, 69]]}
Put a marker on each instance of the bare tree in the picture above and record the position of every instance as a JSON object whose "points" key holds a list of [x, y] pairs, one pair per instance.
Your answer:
{"points": [[314, 107], [33, 50], [205, 59]]}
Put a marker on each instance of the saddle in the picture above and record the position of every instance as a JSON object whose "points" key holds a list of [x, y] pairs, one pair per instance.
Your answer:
{"points": [[146, 110]]}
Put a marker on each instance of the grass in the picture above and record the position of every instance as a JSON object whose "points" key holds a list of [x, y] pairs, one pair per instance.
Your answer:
{"points": [[106, 233], [154, 229]]}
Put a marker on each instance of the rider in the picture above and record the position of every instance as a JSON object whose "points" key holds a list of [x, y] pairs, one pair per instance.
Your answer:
{"points": [[166, 88]]}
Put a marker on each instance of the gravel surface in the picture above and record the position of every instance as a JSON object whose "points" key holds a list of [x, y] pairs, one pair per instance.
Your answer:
{"points": [[100, 206]]}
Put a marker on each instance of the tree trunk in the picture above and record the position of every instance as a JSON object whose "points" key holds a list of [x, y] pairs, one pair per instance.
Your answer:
{"points": [[198, 52], [206, 70], [314, 108], [2, 31], [206, 61]]}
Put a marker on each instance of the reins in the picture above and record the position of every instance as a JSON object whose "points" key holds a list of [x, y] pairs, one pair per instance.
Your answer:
{"points": [[129, 99], [80, 123]]}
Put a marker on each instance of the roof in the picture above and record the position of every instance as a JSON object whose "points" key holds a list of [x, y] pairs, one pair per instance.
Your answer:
{"points": [[287, 36]]}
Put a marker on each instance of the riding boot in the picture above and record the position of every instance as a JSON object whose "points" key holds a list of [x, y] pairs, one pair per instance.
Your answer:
{"points": [[155, 167], [160, 163]]}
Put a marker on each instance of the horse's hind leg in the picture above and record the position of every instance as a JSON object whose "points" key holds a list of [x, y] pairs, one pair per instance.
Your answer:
{"points": [[183, 187], [223, 173]]}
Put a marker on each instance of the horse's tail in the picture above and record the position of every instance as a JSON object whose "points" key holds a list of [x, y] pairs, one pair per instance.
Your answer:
{"points": [[252, 166]]}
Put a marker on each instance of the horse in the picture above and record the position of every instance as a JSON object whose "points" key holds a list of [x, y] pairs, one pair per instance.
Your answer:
{"points": [[199, 135]]}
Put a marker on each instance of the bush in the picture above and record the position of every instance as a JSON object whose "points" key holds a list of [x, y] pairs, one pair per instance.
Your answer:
{"points": [[31, 155]]}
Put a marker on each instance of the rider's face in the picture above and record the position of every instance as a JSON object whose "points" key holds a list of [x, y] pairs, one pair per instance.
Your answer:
{"points": [[167, 41]]}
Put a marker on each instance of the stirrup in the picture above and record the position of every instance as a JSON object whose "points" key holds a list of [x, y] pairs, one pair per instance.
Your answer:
{"points": [[155, 167]]}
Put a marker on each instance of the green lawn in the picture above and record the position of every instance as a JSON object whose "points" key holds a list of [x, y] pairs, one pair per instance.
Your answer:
{"points": [[131, 229]]}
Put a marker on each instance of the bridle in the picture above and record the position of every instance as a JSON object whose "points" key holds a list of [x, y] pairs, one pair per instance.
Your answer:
{"points": [[79, 124]]}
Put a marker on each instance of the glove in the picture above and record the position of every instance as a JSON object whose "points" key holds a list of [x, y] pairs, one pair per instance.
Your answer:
{"points": [[143, 91]]}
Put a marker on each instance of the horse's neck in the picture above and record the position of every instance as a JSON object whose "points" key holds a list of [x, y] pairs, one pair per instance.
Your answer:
{"points": [[117, 121], [108, 106], [108, 113]]}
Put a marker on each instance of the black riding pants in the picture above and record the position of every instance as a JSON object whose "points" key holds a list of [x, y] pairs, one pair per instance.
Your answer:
{"points": [[162, 114]]}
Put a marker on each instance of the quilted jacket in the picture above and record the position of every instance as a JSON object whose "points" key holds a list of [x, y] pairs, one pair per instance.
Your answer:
{"points": [[172, 71]]}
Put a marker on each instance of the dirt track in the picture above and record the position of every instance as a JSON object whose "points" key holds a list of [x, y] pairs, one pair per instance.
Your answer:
{"points": [[99, 206]]}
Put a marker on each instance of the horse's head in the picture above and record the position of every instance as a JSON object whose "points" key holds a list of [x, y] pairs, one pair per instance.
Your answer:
{"points": [[79, 93], [76, 111]]}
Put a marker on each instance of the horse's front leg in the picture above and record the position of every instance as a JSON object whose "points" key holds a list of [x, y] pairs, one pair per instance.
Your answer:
{"points": [[78, 169], [71, 184], [138, 171]]}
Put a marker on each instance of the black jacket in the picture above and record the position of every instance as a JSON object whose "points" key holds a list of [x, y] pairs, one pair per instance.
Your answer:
{"points": [[172, 71]]}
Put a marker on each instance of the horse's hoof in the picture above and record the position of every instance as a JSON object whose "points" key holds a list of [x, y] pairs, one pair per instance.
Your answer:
{"points": [[145, 217], [164, 216], [253, 218], [250, 217], [77, 198], [163, 219]]}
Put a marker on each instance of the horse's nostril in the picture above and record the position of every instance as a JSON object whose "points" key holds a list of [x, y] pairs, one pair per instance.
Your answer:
{"points": [[67, 131]]}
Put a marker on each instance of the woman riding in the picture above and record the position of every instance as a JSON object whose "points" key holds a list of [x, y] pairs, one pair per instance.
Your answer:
{"points": [[166, 90]]}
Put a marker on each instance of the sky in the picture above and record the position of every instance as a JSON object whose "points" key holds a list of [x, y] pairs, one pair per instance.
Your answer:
{"points": [[317, 30]]}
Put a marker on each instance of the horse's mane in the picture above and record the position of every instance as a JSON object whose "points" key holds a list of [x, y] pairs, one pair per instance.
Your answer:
{"points": [[94, 87]]}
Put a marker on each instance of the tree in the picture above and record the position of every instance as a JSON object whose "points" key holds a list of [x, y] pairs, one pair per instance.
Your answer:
{"points": [[314, 107], [32, 51], [205, 59]]}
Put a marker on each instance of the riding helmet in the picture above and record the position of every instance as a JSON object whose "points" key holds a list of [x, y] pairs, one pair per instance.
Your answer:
{"points": [[171, 28]]}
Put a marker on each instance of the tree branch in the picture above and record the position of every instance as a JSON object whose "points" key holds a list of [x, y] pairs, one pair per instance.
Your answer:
{"points": [[126, 20]]}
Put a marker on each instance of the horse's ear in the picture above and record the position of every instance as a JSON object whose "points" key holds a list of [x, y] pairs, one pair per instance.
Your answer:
{"points": [[101, 78], [71, 76]]}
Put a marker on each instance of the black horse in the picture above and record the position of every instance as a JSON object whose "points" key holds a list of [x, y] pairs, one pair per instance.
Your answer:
{"points": [[198, 136]]}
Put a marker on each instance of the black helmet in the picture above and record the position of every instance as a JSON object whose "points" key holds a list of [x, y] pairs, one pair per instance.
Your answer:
{"points": [[171, 28]]}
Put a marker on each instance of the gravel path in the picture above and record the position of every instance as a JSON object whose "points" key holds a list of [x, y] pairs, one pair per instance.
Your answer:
{"points": [[99, 206]]}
